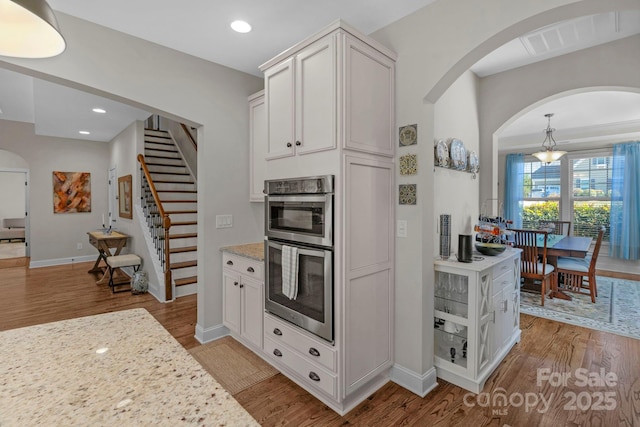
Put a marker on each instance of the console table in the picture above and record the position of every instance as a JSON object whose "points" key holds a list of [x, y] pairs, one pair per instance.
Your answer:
{"points": [[104, 243]]}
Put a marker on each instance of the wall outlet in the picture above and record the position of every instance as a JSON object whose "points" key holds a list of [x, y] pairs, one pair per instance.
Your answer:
{"points": [[79, 246], [224, 221]]}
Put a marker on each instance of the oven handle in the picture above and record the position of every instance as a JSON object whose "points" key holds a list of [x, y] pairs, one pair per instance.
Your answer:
{"points": [[298, 198], [301, 250]]}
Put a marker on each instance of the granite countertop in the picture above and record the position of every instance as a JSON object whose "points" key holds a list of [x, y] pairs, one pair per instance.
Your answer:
{"points": [[251, 250], [54, 374]]}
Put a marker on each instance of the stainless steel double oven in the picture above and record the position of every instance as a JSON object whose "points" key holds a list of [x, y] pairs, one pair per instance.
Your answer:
{"points": [[299, 252]]}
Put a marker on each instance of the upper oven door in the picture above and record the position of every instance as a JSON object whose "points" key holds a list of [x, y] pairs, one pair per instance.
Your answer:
{"points": [[300, 218]]}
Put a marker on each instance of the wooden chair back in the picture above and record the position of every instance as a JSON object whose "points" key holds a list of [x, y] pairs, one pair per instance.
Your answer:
{"points": [[534, 257], [556, 227], [596, 251]]}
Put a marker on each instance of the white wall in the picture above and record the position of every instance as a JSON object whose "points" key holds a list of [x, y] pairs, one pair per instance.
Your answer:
{"points": [[457, 193], [182, 87], [435, 46], [12, 194], [54, 237]]}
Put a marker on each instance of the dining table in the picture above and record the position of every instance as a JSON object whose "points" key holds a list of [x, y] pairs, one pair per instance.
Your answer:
{"points": [[559, 245]]}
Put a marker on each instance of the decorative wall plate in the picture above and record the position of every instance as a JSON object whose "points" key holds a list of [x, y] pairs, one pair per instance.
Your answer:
{"points": [[442, 153], [474, 162], [458, 154]]}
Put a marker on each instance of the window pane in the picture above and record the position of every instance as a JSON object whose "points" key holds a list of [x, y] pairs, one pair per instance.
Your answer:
{"points": [[591, 193], [542, 192], [534, 212]]}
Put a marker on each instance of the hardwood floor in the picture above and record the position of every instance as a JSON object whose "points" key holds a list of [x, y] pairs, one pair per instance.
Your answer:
{"points": [[49, 294]]}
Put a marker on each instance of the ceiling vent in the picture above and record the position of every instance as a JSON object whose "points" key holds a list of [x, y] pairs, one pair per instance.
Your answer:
{"points": [[568, 35]]}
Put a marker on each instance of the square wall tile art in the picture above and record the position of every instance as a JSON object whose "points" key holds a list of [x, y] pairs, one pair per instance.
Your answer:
{"points": [[408, 135], [408, 194], [409, 164], [71, 192]]}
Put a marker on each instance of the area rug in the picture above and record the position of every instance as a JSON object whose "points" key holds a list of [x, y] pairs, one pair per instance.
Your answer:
{"points": [[616, 310], [233, 365]]}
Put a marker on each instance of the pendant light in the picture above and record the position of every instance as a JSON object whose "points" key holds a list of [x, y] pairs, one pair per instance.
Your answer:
{"points": [[28, 29], [549, 154]]}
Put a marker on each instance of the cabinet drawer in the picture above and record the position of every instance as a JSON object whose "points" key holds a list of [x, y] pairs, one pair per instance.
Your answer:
{"points": [[312, 348], [504, 281], [310, 373], [245, 266], [503, 267]]}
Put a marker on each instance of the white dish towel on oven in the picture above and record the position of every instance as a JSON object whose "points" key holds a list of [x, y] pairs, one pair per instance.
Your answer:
{"points": [[290, 271]]}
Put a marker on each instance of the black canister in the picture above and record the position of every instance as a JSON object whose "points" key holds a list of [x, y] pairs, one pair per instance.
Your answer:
{"points": [[465, 247]]}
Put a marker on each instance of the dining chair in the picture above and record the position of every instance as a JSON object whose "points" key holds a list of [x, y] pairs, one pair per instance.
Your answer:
{"points": [[555, 227], [579, 274], [533, 264]]}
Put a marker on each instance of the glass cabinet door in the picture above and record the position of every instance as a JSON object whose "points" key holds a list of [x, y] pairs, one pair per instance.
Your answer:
{"points": [[451, 314]]}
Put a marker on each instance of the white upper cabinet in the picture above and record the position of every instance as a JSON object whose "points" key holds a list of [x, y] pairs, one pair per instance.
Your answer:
{"points": [[257, 146], [301, 101], [369, 99]]}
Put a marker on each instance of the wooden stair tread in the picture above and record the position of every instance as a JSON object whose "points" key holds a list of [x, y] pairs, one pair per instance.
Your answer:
{"points": [[160, 149], [173, 224], [169, 173], [186, 280], [165, 165], [161, 181], [177, 201], [183, 250], [177, 191], [179, 212], [183, 264], [183, 236]]}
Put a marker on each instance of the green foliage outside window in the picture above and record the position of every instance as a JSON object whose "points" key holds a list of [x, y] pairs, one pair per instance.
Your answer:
{"points": [[588, 217]]}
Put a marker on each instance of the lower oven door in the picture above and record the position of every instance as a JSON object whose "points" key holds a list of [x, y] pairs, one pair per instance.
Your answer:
{"points": [[312, 306]]}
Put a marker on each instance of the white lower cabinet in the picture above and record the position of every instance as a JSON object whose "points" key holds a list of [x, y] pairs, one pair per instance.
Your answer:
{"points": [[312, 362], [243, 298], [476, 320]]}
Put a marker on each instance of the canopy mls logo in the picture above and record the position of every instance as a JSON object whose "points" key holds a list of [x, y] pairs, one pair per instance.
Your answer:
{"points": [[592, 400]]}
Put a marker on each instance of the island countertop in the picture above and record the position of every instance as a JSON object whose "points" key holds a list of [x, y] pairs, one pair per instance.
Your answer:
{"points": [[250, 250], [119, 369]]}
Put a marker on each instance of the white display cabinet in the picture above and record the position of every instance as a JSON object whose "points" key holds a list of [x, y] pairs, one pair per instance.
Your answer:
{"points": [[476, 317]]}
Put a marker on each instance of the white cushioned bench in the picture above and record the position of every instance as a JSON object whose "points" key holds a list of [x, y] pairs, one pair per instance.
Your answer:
{"points": [[119, 261]]}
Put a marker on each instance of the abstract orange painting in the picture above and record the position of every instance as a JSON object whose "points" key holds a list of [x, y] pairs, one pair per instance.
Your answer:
{"points": [[71, 192]]}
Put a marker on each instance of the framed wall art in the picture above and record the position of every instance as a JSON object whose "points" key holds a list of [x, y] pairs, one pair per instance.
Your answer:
{"points": [[125, 207], [71, 192]]}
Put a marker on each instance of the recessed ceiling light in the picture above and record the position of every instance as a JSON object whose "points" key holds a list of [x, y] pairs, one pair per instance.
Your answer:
{"points": [[241, 26], [85, 132], [99, 110], [102, 350]]}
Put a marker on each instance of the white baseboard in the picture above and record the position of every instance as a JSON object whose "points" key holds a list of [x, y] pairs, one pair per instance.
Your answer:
{"points": [[61, 261], [415, 383], [211, 334]]}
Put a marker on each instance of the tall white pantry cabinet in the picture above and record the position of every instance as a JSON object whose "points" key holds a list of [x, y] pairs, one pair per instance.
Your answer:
{"points": [[329, 106]]}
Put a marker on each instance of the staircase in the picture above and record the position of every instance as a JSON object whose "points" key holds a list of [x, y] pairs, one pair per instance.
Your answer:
{"points": [[178, 194]]}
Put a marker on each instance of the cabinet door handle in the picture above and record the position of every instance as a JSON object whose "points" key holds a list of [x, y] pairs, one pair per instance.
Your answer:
{"points": [[298, 143], [314, 376], [314, 352], [277, 331], [250, 270], [235, 283], [229, 262], [277, 352], [241, 285], [288, 145]]}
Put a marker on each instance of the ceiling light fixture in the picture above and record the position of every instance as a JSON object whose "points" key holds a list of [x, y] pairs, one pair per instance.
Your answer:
{"points": [[549, 154], [241, 26], [99, 110], [28, 29], [84, 132]]}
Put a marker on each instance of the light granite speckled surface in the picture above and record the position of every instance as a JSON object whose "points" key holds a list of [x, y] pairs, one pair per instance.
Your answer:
{"points": [[251, 250], [52, 375]]}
